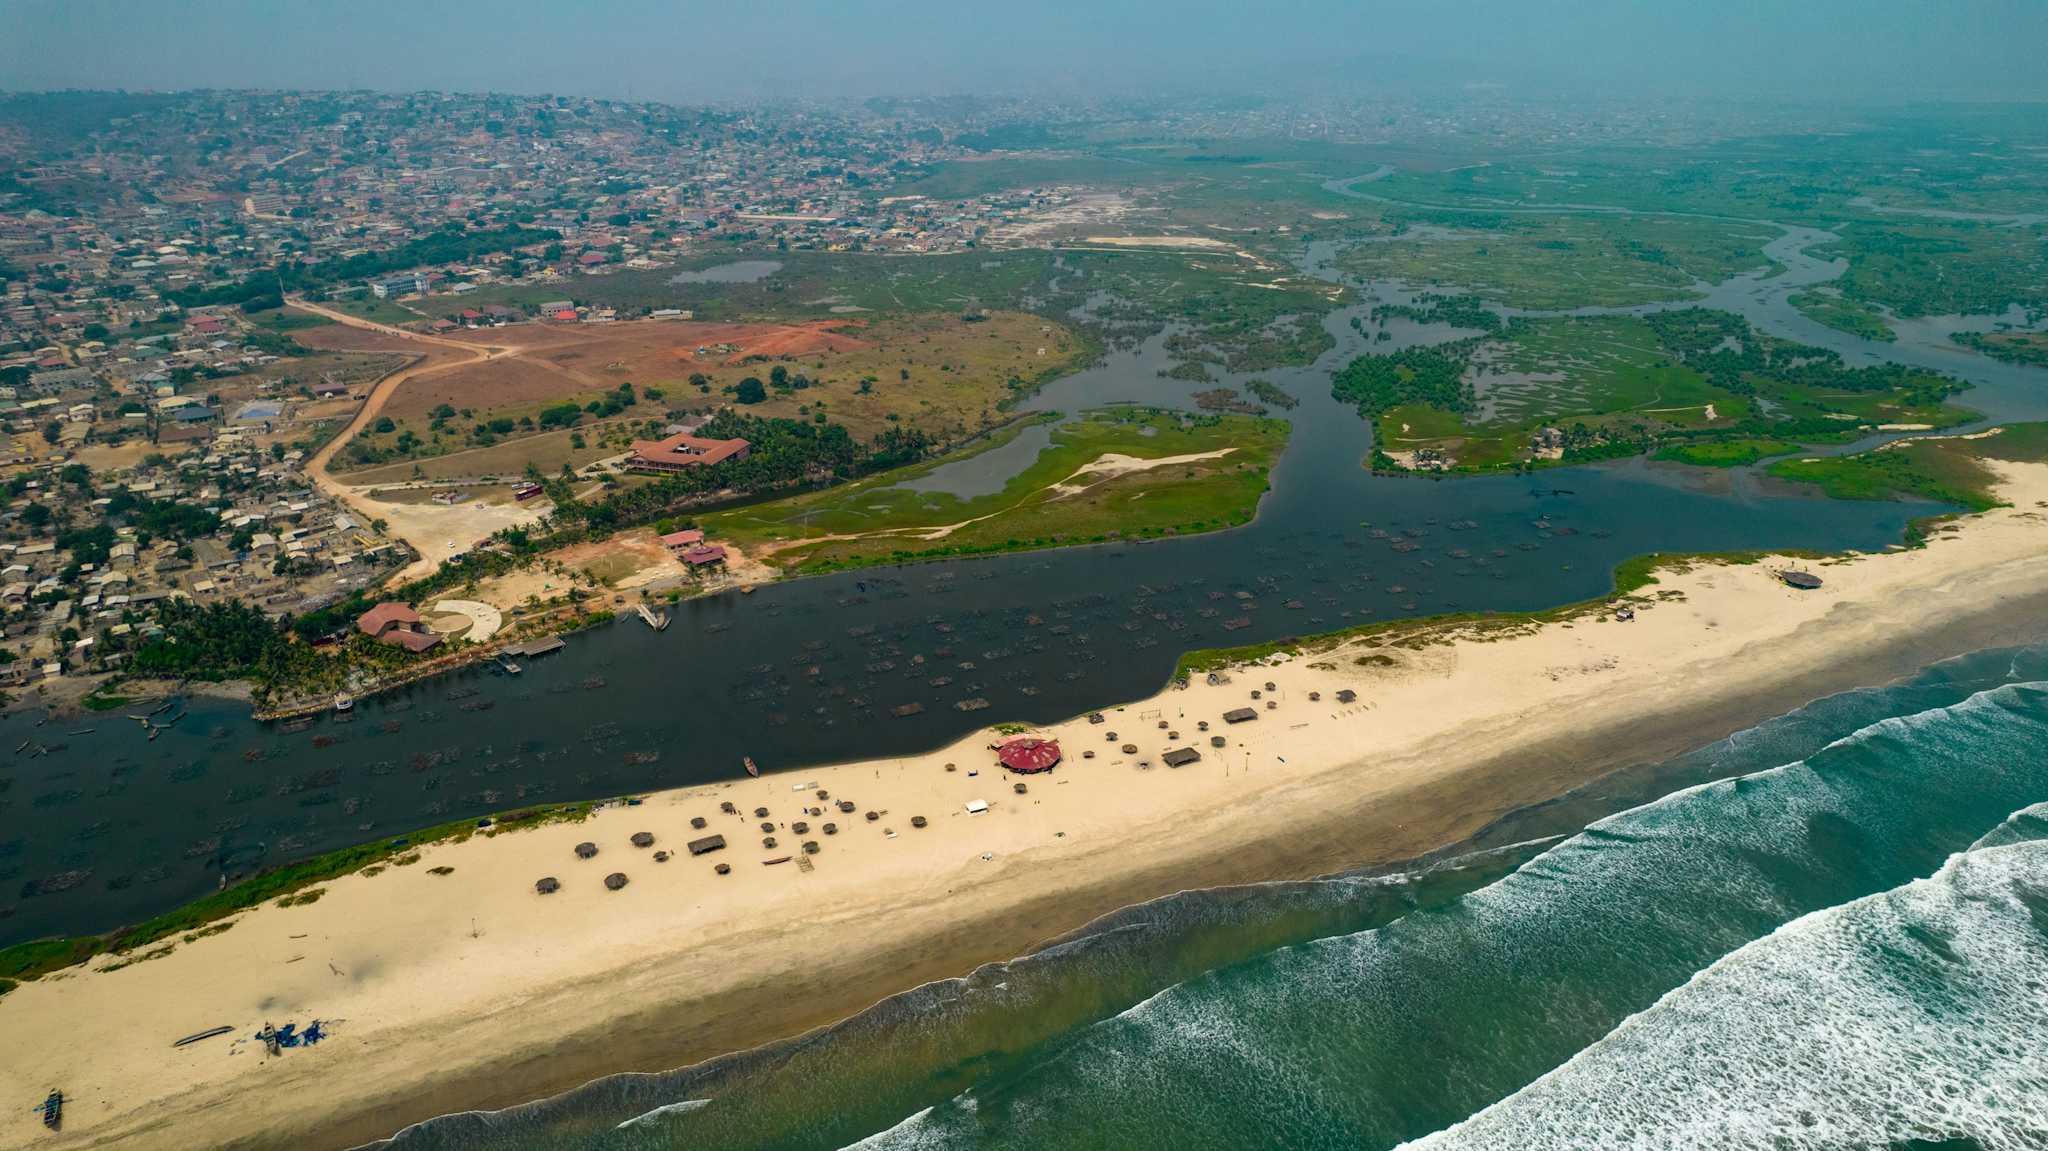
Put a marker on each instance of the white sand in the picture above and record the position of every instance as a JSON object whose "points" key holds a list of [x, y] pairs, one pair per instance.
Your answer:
{"points": [[471, 984]]}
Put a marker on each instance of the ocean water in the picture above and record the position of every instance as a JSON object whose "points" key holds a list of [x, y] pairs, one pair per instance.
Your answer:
{"points": [[1833, 933]]}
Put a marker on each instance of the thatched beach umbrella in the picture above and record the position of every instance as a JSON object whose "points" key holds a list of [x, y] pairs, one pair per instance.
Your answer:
{"points": [[728, 808], [917, 821], [643, 839], [1021, 789], [760, 813], [697, 822], [810, 847], [873, 816], [547, 885], [1201, 725], [615, 880], [1314, 696], [830, 829], [1130, 749], [661, 857], [800, 827], [768, 841], [823, 795], [1215, 741], [723, 869], [586, 850], [767, 825], [846, 805], [1270, 686], [1089, 754]]}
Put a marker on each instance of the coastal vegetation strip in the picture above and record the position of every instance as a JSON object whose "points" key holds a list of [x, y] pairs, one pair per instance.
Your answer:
{"points": [[292, 881]]}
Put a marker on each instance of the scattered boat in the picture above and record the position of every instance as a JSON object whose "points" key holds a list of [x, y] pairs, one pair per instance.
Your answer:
{"points": [[343, 701], [751, 768], [209, 1033], [53, 1110]]}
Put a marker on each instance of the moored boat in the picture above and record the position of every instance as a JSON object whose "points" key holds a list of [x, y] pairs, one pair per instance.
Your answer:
{"points": [[751, 768], [344, 702]]}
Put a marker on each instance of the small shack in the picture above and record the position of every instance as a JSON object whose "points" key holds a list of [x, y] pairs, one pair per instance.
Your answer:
{"points": [[1804, 581], [1239, 715], [1027, 755], [1180, 757], [706, 845]]}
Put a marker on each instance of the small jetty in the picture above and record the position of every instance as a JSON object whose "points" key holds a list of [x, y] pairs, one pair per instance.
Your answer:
{"points": [[545, 645], [654, 619], [506, 665]]}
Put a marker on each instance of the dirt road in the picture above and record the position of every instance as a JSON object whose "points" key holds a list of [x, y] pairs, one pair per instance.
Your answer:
{"points": [[431, 530]]}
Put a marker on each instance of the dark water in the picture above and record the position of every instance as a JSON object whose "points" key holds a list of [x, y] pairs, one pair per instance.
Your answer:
{"points": [[1841, 943], [106, 828]]}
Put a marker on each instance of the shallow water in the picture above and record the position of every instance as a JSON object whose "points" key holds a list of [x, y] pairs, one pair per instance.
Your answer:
{"points": [[1790, 949]]}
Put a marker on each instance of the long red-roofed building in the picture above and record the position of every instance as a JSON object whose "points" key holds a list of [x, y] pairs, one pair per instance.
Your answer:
{"points": [[682, 452]]}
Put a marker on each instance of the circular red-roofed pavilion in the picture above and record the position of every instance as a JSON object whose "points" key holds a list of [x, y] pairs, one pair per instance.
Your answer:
{"points": [[1029, 755]]}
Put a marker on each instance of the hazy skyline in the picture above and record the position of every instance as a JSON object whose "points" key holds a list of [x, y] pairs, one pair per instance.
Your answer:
{"points": [[1891, 50]]}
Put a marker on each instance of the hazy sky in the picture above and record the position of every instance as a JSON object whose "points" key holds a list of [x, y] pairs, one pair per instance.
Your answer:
{"points": [[749, 49]]}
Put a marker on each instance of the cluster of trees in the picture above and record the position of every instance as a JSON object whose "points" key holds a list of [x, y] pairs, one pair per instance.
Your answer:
{"points": [[1432, 308], [1722, 347], [1429, 375], [781, 453], [452, 244]]}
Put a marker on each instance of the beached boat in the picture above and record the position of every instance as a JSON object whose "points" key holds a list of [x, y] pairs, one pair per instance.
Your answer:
{"points": [[344, 702], [751, 768], [53, 1110]]}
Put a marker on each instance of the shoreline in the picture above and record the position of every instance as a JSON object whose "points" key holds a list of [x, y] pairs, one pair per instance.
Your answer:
{"points": [[466, 990]]}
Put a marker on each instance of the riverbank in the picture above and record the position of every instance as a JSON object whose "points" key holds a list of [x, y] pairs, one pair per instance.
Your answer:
{"points": [[463, 988]]}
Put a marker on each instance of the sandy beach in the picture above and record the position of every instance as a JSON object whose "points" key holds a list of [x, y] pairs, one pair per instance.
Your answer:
{"points": [[464, 988]]}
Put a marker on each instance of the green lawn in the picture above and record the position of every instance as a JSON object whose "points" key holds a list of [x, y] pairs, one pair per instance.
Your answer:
{"points": [[893, 524]]}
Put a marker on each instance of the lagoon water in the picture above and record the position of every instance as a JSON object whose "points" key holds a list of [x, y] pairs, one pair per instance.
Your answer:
{"points": [[1833, 937], [100, 827]]}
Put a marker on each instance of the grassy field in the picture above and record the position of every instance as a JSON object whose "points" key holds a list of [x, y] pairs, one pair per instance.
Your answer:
{"points": [[1614, 385], [935, 371], [2012, 347], [881, 522], [1830, 307], [1948, 470], [1932, 268], [1562, 261]]}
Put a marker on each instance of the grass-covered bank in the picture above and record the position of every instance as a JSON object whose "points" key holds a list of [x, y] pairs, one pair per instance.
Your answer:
{"points": [[1222, 469]]}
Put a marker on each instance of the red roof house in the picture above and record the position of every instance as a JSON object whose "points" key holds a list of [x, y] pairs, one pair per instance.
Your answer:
{"points": [[397, 623], [704, 555], [682, 451], [1029, 755], [678, 541]]}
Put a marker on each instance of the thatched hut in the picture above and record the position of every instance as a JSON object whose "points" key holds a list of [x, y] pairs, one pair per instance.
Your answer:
{"points": [[1130, 749], [707, 844], [1804, 581], [810, 847], [661, 857], [760, 813], [800, 827], [547, 885], [1021, 788], [615, 881], [728, 808], [767, 825], [586, 850], [846, 806], [643, 839], [1180, 757]]}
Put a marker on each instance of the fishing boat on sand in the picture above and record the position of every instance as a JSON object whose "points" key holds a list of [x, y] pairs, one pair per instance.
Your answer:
{"points": [[53, 1110], [751, 768]]}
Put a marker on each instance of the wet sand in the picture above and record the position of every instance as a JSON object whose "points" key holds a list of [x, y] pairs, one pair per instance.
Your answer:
{"points": [[468, 990]]}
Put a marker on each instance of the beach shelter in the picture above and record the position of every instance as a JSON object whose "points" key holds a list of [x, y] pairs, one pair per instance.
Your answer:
{"points": [[1029, 755]]}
